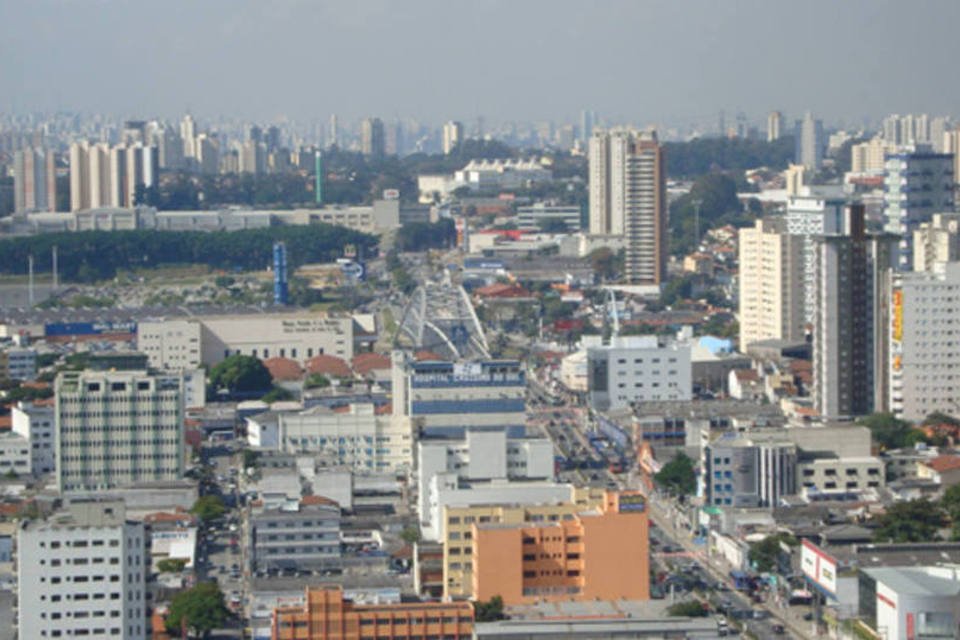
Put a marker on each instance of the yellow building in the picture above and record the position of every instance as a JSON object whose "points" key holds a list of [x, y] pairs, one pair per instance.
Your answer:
{"points": [[458, 542]]}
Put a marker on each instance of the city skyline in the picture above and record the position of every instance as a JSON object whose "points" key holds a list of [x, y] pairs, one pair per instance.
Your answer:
{"points": [[490, 60]]}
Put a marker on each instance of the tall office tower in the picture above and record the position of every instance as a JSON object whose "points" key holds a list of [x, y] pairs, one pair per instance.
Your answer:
{"points": [[850, 355], [117, 428], [188, 133], [936, 242], [809, 142], [255, 134], [910, 129], [98, 162], [588, 120], [371, 138], [951, 145], [170, 146], [808, 216], [774, 126], [334, 131], [452, 136], [925, 353], [393, 142], [208, 154], [272, 139], [938, 128], [870, 156], [141, 171], [83, 572], [628, 198], [253, 157], [79, 176], [118, 176], [771, 283], [916, 184], [34, 188]]}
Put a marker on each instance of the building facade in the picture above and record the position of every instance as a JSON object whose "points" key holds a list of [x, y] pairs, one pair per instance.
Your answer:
{"points": [[37, 424], [326, 614], [83, 572], [634, 369], [307, 537], [452, 136], [117, 428], [936, 242], [34, 180], [771, 300], [809, 142], [602, 554], [548, 217]]}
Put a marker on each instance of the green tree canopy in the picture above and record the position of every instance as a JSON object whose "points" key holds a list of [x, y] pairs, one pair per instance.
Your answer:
{"points": [[489, 611], [240, 373], [687, 609], [719, 205], [764, 554], [678, 476], [316, 381], [702, 155], [888, 431], [277, 394], [200, 609], [910, 521], [208, 508], [420, 236]]}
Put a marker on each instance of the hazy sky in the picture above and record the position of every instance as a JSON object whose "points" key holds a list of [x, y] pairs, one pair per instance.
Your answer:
{"points": [[640, 61]]}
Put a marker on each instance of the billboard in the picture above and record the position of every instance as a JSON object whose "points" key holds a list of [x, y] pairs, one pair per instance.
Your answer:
{"points": [[898, 315], [632, 503], [819, 567], [53, 329]]}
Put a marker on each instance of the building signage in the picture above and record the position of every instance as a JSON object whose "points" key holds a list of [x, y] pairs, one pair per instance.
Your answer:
{"points": [[632, 503], [898, 315], [819, 567]]}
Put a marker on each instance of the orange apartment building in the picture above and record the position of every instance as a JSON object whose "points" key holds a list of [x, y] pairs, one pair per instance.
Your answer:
{"points": [[327, 616], [602, 553]]}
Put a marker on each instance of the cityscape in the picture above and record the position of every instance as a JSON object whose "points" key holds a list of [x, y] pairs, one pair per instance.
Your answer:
{"points": [[495, 321]]}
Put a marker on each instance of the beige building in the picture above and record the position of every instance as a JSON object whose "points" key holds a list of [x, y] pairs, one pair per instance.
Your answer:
{"points": [[951, 144], [771, 283], [868, 157], [936, 242], [457, 542]]}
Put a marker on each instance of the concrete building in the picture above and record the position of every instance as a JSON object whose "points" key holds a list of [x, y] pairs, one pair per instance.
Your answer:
{"points": [[835, 476], [481, 455], [635, 369], [15, 455], [936, 242], [771, 300], [359, 437], [37, 424], [305, 536], [448, 398], [809, 142], [18, 363], [34, 180], [542, 216], [602, 554], [916, 184], [774, 126], [743, 472], [870, 156], [452, 136], [118, 428], [105, 177], [628, 199], [910, 602], [850, 356], [206, 340], [83, 572], [326, 614], [812, 212], [458, 531], [924, 352], [372, 139]]}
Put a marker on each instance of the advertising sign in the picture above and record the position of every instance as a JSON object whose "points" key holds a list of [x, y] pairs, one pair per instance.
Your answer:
{"points": [[632, 503], [819, 567]]}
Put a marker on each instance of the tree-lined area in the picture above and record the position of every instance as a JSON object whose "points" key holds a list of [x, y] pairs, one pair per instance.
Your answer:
{"points": [[88, 256]]}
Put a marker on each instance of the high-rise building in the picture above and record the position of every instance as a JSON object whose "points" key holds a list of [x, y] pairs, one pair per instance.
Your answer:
{"points": [[910, 129], [809, 142], [774, 126], [951, 145], [98, 163], [79, 176], [118, 176], [936, 242], [372, 141], [628, 199], [917, 184], [452, 136], [924, 351], [117, 428], [170, 149], [771, 283], [849, 352], [253, 157], [208, 154], [188, 133], [588, 119], [142, 170], [34, 180], [83, 572], [334, 132], [870, 156], [811, 214], [393, 139]]}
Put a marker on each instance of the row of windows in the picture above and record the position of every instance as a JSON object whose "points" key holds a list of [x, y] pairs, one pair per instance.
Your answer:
{"points": [[79, 544]]}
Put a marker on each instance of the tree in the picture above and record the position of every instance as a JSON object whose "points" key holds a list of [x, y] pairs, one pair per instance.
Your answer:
{"points": [[208, 508], [251, 459], [171, 565], [888, 431], [240, 373], [765, 553], [420, 236], [489, 611], [604, 263], [911, 521], [200, 609], [687, 609], [678, 476], [719, 205], [410, 535], [316, 381], [277, 394]]}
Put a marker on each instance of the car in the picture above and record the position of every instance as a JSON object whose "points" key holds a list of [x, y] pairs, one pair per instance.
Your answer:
{"points": [[808, 616], [779, 629]]}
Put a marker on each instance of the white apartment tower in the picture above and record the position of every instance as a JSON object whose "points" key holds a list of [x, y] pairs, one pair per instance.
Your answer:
{"points": [[628, 199], [810, 214], [117, 428], [452, 136], [809, 143], [774, 126], [771, 283], [83, 572], [936, 242]]}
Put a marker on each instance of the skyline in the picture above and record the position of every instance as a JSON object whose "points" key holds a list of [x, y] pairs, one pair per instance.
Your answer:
{"points": [[434, 61]]}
